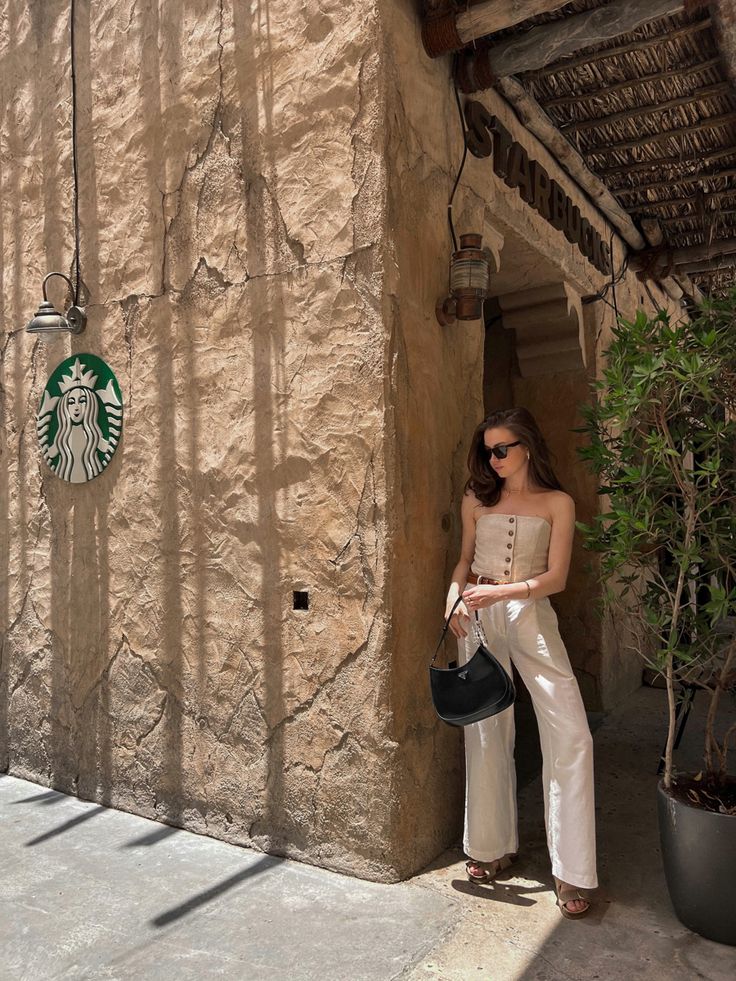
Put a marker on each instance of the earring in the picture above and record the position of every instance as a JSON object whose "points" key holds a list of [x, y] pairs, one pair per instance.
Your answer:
{"points": [[528, 457]]}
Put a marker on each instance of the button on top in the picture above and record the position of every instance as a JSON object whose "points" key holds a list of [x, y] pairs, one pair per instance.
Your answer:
{"points": [[511, 521]]}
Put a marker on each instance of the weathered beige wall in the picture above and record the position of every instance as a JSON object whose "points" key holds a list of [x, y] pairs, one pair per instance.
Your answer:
{"points": [[232, 209], [263, 206]]}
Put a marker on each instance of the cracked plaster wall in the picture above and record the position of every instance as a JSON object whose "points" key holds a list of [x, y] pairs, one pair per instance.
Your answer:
{"points": [[232, 205], [263, 202]]}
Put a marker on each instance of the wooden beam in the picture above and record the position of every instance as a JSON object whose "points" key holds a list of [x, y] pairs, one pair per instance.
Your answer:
{"points": [[711, 275], [664, 185], [688, 286], [622, 49], [550, 42], [707, 91], [715, 197], [710, 265], [646, 139], [686, 254], [675, 72], [709, 250], [540, 125], [659, 162], [491, 16], [717, 213], [453, 29]]}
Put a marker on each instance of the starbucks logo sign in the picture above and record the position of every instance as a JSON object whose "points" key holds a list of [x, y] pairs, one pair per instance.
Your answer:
{"points": [[80, 418]]}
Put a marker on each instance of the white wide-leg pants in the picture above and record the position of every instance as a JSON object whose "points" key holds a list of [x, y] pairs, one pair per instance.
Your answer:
{"points": [[526, 632]]}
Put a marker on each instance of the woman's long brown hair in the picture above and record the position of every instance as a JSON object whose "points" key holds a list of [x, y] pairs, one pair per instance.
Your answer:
{"points": [[483, 480]]}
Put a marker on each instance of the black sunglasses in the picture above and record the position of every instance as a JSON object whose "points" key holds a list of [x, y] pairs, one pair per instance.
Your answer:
{"points": [[500, 450]]}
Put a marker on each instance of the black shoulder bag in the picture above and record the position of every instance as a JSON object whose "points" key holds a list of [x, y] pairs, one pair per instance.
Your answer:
{"points": [[473, 691]]}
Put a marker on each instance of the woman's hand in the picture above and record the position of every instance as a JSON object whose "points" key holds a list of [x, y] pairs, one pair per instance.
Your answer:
{"points": [[456, 623], [479, 597]]}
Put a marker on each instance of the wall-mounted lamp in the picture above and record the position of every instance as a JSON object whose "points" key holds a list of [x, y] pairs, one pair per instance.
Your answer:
{"points": [[469, 282], [49, 323]]}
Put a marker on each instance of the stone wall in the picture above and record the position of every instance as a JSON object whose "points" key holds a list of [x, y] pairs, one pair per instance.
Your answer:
{"points": [[263, 199], [232, 185]]}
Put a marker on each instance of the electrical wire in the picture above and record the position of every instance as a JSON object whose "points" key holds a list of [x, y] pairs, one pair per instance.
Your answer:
{"points": [[613, 278], [75, 166], [611, 284], [462, 162]]}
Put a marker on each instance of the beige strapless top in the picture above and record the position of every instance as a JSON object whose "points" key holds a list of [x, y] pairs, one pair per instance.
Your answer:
{"points": [[511, 547]]}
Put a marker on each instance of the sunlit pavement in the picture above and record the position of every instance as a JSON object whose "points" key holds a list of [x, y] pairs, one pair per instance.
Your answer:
{"points": [[89, 892]]}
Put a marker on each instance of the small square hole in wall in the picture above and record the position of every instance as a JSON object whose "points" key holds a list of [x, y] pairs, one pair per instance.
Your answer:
{"points": [[301, 599]]}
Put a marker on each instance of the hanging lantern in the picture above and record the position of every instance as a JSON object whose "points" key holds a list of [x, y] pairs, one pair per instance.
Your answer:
{"points": [[469, 281]]}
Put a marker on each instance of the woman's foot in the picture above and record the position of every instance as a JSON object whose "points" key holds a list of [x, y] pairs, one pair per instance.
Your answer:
{"points": [[486, 871], [571, 902]]}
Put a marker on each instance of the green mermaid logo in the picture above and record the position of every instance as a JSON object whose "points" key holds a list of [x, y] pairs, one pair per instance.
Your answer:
{"points": [[80, 418]]}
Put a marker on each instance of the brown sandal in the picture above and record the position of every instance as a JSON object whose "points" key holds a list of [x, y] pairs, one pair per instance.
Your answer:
{"points": [[489, 869], [566, 894]]}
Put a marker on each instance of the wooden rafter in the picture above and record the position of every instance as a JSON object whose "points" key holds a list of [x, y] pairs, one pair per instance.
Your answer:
{"points": [[646, 139], [707, 250], [652, 109], [677, 219], [710, 266], [672, 161], [451, 30], [706, 200], [713, 273], [631, 83], [549, 42], [688, 179], [538, 122], [622, 49]]}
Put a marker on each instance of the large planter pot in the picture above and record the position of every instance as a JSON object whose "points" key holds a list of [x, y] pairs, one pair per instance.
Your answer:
{"points": [[699, 855]]}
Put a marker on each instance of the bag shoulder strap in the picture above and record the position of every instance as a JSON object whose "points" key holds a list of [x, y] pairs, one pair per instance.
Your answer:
{"points": [[457, 603]]}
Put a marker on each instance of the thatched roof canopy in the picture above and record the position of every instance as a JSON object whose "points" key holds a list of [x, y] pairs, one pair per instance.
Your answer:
{"points": [[651, 111]]}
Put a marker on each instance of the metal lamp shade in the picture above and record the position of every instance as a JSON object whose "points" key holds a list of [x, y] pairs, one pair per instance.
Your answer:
{"points": [[47, 321]]}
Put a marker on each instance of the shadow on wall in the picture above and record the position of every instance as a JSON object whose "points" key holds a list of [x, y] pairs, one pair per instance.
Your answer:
{"points": [[16, 117], [88, 637], [268, 360], [79, 744]]}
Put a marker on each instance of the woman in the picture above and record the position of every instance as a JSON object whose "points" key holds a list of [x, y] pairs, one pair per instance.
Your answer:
{"points": [[518, 527]]}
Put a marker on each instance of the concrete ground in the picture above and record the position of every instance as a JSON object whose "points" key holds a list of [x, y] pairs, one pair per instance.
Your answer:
{"points": [[87, 892]]}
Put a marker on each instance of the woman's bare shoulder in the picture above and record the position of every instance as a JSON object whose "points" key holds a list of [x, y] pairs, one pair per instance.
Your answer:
{"points": [[560, 503], [470, 503]]}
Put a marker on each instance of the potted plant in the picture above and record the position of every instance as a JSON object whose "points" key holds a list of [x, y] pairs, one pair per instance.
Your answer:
{"points": [[662, 440]]}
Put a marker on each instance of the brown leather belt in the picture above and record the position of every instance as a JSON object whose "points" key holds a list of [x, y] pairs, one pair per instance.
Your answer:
{"points": [[482, 580]]}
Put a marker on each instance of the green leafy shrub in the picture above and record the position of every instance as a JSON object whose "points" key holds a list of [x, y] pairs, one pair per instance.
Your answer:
{"points": [[662, 441]]}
